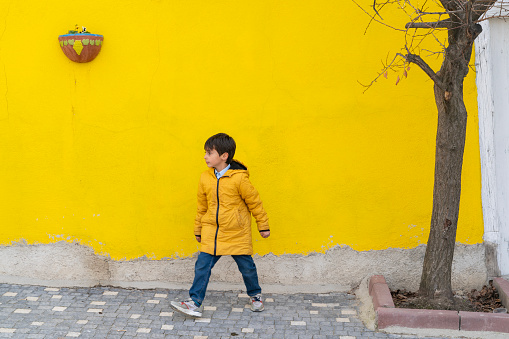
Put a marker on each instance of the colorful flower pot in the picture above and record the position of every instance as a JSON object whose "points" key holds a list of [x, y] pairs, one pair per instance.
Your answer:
{"points": [[81, 47]]}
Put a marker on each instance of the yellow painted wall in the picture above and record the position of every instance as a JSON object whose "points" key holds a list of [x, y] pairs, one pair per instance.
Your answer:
{"points": [[109, 153]]}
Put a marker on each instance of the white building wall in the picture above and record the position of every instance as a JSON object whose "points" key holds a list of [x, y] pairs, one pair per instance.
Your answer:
{"points": [[492, 57]]}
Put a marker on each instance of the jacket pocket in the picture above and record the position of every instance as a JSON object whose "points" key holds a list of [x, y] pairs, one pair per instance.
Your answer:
{"points": [[208, 218], [243, 216], [239, 218]]}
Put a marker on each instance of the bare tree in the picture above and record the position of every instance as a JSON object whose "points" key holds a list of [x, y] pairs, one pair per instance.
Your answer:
{"points": [[460, 18]]}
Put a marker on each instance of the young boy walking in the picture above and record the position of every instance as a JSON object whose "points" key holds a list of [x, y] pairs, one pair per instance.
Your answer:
{"points": [[226, 199]]}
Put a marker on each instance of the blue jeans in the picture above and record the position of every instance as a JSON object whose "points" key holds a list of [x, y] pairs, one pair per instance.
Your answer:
{"points": [[203, 269]]}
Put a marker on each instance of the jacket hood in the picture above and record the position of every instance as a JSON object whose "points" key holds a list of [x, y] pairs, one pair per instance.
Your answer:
{"points": [[235, 167]]}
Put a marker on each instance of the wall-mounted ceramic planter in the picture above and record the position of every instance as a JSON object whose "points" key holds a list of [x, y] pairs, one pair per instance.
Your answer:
{"points": [[81, 47]]}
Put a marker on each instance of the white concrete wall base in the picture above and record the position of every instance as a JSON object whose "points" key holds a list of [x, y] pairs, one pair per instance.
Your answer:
{"points": [[338, 269]]}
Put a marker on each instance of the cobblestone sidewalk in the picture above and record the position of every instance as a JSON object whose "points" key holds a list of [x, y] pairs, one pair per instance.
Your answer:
{"points": [[107, 312]]}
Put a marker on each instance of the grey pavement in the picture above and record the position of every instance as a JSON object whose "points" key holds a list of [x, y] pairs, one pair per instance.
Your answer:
{"points": [[108, 312]]}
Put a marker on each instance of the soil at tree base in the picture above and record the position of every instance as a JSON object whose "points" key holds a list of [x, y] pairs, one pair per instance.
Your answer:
{"points": [[485, 300]]}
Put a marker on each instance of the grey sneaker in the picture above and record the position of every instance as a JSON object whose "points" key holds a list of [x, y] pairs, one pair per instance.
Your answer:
{"points": [[187, 307], [256, 303]]}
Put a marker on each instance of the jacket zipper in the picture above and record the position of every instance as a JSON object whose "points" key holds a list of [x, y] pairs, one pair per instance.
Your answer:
{"points": [[217, 217]]}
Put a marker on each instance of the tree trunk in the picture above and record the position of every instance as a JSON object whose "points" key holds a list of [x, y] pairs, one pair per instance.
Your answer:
{"points": [[450, 143]]}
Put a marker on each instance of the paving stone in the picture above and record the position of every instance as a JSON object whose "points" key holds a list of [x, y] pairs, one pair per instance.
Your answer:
{"points": [[106, 312]]}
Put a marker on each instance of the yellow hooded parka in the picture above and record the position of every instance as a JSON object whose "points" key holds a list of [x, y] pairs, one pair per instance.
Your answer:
{"points": [[223, 219]]}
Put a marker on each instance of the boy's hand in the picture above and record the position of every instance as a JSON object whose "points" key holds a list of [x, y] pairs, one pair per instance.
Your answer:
{"points": [[265, 234], [198, 238]]}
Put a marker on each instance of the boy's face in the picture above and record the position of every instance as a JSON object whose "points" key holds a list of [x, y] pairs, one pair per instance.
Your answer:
{"points": [[213, 159]]}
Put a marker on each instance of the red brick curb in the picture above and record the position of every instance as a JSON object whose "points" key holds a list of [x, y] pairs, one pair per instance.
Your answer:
{"points": [[388, 315], [475, 321], [502, 287], [380, 293], [405, 317]]}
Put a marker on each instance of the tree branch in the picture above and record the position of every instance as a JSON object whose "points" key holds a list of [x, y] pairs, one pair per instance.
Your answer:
{"points": [[438, 24], [450, 5], [416, 59], [480, 7]]}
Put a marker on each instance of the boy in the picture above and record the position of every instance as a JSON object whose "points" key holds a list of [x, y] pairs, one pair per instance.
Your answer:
{"points": [[226, 199]]}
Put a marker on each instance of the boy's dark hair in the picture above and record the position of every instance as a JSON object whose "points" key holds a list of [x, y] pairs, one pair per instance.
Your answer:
{"points": [[222, 143]]}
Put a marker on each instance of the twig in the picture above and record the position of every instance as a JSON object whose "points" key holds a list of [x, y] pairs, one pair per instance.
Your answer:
{"points": [[380, 22], [374, 8], [387, 67]]}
